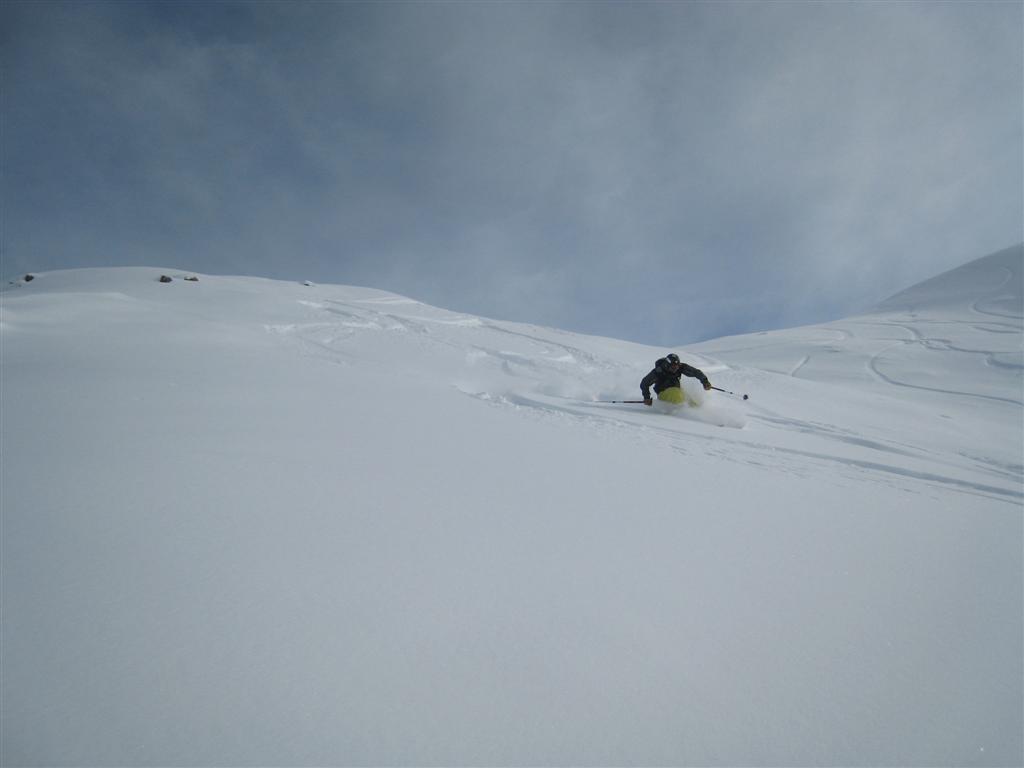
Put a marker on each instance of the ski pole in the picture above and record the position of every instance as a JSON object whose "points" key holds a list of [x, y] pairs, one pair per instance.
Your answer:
{"points": [[728, 392]]}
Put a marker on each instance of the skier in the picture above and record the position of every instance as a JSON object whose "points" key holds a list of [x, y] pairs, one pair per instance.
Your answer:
{"points": [[665, 378]]}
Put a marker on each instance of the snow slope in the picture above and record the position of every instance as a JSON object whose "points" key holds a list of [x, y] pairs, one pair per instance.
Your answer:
{"points": [[249, 522]]}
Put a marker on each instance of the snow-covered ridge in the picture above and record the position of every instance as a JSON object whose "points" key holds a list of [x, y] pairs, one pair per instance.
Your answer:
{"points": [[989, 287], [956, 334], [253, 521]]}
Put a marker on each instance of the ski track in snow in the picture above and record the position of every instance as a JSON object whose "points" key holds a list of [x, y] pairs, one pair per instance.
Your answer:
{"points": [[916, 336], [358, 318], [803, 361], [873, 365], [673, 436], [995, 296]]}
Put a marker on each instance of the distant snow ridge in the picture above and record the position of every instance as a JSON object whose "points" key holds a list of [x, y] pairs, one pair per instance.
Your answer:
{"points": [[987, 287], [254, 522], [956, 334]]}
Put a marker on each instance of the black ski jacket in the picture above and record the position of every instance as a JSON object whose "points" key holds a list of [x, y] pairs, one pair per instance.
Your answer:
{"points": [[663, 378]]}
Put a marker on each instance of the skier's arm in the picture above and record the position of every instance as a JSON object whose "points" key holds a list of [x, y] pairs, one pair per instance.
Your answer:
{"points": [[696, 373], [645, 385]]}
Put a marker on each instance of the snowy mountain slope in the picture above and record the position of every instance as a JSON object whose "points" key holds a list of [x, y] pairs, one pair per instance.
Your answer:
{"points": [[946, 355], [253, 522]]}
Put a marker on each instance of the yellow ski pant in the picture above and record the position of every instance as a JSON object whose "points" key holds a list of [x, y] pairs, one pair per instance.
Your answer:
{"points": [[672, 395]]}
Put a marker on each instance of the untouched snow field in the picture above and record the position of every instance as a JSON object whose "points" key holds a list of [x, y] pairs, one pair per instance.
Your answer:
{"points": [[249, 522]]}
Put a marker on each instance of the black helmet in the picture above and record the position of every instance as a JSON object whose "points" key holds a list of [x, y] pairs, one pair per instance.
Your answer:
{"points": [[672, 358]]}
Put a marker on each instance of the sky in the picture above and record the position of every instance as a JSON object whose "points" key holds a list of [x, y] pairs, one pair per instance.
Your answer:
{"points": [[657, 172]]}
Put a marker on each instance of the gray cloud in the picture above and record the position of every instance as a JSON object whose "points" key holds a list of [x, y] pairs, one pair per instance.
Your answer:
{"points": [[660, 172]]}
